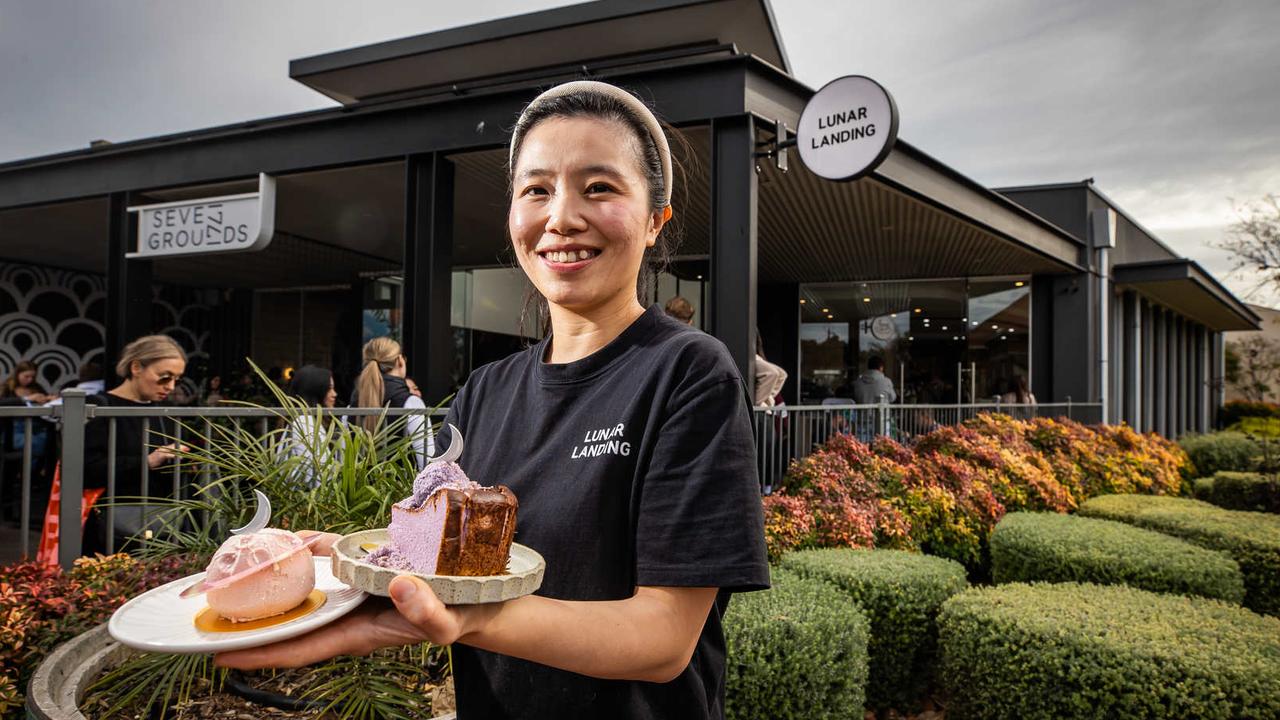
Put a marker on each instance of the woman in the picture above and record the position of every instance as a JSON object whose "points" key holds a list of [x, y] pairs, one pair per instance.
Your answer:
{"points": [[382, 384], [22, 383], [312, 386], [644, 542], [150, 368]]}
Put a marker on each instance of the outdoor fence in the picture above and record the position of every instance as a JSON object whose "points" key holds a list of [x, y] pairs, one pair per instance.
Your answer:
{"points": [[782, 434]]}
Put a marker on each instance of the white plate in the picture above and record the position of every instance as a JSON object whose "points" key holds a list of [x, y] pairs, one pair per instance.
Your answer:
{"points": [[160, 621]]}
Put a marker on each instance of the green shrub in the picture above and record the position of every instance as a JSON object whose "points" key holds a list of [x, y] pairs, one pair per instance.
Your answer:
{"points": [[1251, 539], [1246, 491], [1027, 547], [1202, 488], [1232, 412], [1219, 451], [900, 592], [1105, 651], [798, 650]]}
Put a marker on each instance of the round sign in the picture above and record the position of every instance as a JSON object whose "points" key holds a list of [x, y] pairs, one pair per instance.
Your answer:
{"points": [[884, 328], [847, 128]]}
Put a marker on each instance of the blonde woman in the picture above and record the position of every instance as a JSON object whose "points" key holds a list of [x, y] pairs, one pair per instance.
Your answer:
{"points": [[625, 434], [150, 368], [382, 384]]}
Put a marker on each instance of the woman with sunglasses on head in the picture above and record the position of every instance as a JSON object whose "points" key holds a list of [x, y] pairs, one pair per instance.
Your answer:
{"points": [[624, 434], [150, 368]]}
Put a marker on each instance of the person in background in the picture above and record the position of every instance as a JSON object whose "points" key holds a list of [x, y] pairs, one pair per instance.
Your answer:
{"points": [[150, 368], [873, 387], [212, 391], [313, 386], [769, 378], [382, 384], [89, 378], [1019, 393], [24, 383], [680, 309]]}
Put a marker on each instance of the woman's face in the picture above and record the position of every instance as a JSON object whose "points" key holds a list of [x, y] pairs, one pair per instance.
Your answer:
{"points": [[154, 382], [331, 396], [26, 377], [580, 215]]}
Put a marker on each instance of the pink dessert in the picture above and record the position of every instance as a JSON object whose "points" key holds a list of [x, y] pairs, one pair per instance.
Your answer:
{"points": [[277, 588], [451, 525]]}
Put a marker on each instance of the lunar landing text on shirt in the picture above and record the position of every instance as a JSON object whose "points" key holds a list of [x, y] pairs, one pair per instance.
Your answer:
{"points": [[605, 441]]}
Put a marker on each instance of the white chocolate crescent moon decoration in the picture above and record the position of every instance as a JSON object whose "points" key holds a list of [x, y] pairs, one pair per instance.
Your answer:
{"points": [[455, 447], [261, 516]]}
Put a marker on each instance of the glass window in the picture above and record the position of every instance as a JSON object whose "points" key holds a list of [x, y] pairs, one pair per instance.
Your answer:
{"points": [[941, 341]]}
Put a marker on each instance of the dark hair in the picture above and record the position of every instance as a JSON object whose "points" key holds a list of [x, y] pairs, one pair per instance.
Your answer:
{"points": [[90, 371], [875, 363], [679, 308], [310, 384], [591, 104]]}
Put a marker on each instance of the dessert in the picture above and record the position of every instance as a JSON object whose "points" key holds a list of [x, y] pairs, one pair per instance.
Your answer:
{"points": [[450, 525], [287, 578]]}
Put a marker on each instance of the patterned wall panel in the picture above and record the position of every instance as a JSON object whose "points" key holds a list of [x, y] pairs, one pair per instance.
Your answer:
{"points": [[55, 319]]}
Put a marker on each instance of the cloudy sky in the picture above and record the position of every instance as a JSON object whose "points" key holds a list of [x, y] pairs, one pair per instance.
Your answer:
{"points": [[1172, 106]]}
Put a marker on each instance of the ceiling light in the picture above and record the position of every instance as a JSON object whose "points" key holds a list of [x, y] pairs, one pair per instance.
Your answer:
{"points": [[944, 327], [866, 299], [1019, 284], [699, 277], [955, 337], [1004, 337], [801, 301], [917, 311], [995, 327], [974, 323], [826, 309], [911, 337]]}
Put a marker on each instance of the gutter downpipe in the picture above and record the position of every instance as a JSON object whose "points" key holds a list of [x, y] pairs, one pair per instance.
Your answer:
{"points": [[1103, 226]]}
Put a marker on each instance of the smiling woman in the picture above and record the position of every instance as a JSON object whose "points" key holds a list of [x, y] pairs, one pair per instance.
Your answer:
{"points": [[626, 436]]}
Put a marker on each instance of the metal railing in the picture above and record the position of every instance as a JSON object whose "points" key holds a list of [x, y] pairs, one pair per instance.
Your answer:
{"points": [[71, 417], [783, 434]]}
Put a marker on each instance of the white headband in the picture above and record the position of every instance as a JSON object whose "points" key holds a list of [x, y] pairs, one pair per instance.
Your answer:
{"points": [[633, 103]]}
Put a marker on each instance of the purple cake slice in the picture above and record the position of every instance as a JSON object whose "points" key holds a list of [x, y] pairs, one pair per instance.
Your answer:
{"points": [[451, 525]]}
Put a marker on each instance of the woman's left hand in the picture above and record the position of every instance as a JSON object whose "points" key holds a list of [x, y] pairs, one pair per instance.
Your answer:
{"points": [[416, 616]]}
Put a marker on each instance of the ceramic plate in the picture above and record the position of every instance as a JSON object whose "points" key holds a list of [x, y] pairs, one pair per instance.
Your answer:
{"points": [[160, 621], [524, 573]]}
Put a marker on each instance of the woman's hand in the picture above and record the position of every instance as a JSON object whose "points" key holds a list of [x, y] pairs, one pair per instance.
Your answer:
{"points": [[416, 616], [162, 455]]}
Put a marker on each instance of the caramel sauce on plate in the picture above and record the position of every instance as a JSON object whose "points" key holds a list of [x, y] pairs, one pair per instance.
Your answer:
{"points": [[209, 621]]}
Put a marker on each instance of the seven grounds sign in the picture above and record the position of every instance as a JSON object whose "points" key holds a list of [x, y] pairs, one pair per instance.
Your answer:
{"points": [[847, 128], [232, 223]]}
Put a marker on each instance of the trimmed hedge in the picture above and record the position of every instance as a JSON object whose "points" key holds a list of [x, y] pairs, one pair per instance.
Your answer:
{"points": [[1234, 411], [1251, 539], [1246, 491], [1027, 547], [901, 593], [797, 650], [1219, 451], [1202, 488], [1075, 650]]}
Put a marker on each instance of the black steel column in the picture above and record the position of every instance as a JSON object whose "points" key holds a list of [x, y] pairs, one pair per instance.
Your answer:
{"points": [[1171, 375], [734, 192], [1150, 371], [428, 265], [1130, 375], [1160, 357], [128, 307], [778, 312]]}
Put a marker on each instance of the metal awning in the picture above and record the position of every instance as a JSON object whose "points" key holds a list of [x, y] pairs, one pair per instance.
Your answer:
{"points": [[1183, 286], [587, 36]]}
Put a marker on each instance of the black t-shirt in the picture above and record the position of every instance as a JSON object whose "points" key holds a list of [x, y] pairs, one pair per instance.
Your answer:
{"points": [[633, 466]]}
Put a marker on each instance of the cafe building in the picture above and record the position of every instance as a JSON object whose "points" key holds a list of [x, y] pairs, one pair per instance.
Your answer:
{"points": [[308, 234]]}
